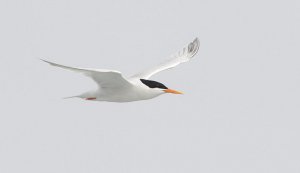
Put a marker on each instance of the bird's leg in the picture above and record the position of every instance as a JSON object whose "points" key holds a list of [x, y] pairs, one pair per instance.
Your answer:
{"points": [[91, 98]]}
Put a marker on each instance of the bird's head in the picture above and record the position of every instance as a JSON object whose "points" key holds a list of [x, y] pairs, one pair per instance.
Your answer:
{"points": [[159, 87]]}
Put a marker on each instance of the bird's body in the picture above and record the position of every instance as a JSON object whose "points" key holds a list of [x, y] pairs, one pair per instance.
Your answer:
{"points": [[137, 91], [113, 87]]}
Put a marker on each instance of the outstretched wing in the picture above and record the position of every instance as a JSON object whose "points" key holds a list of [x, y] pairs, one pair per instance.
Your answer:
{"points": [[179, 57], [104, 78]]}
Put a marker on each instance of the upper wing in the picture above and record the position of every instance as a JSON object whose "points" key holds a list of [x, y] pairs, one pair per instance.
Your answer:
{"points": [[179, 57], [104, 78]]}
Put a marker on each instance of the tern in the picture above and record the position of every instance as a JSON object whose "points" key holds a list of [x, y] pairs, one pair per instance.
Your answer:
{"points": [[113, 87]]}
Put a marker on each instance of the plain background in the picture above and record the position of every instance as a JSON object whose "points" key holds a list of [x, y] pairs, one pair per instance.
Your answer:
{"points": [[240, 111]]}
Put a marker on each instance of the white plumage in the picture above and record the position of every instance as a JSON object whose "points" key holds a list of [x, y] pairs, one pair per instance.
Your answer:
{"points": [[113, 87]]}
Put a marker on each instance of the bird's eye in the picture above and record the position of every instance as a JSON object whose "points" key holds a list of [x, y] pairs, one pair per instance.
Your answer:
{"points": [[153, 84]]}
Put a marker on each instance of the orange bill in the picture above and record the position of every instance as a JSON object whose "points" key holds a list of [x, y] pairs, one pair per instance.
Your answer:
{"points": [[172, 91]]}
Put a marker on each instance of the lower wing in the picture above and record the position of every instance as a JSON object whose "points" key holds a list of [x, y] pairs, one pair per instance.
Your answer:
{"points": [[104, 78]]}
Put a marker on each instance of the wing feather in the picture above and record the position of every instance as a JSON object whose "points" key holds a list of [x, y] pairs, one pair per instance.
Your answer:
{"points": [[104, 78], [179, 57]]}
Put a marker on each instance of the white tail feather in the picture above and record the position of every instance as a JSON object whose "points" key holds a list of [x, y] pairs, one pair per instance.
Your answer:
{"points": [[71, 97]]}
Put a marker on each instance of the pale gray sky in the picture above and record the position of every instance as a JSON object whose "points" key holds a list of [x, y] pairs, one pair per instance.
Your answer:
{"points": [[240, 111]]}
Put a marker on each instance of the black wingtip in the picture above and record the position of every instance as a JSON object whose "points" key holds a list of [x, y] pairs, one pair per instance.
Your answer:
{"points": [[196, 41], [194, 46]]}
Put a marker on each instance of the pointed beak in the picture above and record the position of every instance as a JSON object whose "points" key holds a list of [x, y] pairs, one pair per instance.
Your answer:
{"points": [[172, 91]]}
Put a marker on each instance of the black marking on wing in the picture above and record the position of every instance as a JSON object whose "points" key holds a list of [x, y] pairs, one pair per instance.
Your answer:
{"points": [[153, 84]]}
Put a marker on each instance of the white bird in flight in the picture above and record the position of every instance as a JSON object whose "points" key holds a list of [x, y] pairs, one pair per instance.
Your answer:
{"points": [[113, 87]]}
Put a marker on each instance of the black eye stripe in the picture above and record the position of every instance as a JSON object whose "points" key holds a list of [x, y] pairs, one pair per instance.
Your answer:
{"points": [[153, 84]]}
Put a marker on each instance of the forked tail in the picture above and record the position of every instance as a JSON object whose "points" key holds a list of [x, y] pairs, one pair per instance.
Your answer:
{"points": [[71, 97]]}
